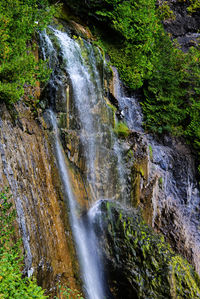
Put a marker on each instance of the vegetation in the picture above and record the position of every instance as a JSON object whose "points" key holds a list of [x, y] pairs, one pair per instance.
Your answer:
{"points": [[121, 129], [165, 11], [131, 32], [194, 5], [147, 265], [12, 283], [67, 293], [19, 22]]}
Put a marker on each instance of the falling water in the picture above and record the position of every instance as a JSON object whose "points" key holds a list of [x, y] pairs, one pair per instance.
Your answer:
{"points": [[104, 166], [84, 235], [129, 106], [83, 64], [171, 162]]}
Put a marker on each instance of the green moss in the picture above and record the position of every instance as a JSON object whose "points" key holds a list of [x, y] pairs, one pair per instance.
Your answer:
{"points": [[130, 153], [165, 11], [150, 152], [193, 5], [121, 130], [144, 259], [113, 111], [141, 171], [160, 182]]}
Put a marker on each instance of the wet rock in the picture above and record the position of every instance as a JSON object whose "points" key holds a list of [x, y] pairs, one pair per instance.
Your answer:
{"points": [[164, 185], [184, 26], [162, 182], [28, 168], [139, 263]]}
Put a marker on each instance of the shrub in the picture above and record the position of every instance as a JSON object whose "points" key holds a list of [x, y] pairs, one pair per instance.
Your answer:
{"points": [[12, 284], [19, 22]]}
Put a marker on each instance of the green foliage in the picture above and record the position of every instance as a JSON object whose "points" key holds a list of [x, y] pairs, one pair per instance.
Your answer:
{"points": [[132, 34], [19, 22], [121, 129], [194, 5], [165, 11], [129, 34], [12, 284]]}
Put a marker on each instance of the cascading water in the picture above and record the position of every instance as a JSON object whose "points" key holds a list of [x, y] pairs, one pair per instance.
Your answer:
{"points": [[104, 166], [176, 191], [129, 106], [101, 149], [84, 235]]}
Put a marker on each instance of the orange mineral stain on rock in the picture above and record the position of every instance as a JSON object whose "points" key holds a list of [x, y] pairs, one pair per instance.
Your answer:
{"points": [[28, 167]]}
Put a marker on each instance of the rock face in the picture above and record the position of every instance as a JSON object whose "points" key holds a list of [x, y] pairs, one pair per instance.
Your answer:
{"points": [[184, 25], [163, 181], [28, 168], [165, 187], [140, 263]]}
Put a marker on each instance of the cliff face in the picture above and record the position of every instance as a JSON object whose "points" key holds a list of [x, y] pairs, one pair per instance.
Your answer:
{"points": [[28, 168], [162, 175], [184, 26]]}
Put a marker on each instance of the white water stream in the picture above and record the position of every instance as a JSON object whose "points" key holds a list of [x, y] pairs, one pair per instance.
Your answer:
{"points": [[84, 235], [104, 166]]}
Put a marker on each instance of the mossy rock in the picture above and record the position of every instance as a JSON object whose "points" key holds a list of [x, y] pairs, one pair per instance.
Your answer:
{"points": [[140, 263], [122, 130]]}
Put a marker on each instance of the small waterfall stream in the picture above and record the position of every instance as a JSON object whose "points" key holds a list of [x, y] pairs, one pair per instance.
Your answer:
{"points": [[84, 235], [176, 192], [84, 65]]}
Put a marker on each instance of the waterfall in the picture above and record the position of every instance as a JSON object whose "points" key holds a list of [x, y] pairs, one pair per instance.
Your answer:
{"points": [[175, 189], [129, 106], [85, 239], [104, 169], [104, 166]]}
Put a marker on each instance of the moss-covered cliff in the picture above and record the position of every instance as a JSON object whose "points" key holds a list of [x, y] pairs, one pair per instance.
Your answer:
{"points": [[140, 264]]}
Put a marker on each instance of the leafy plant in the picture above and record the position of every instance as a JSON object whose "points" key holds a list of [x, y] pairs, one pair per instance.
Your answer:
{"points": [[19, 22], [193, 6], [165, 11], [12, 284]]}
